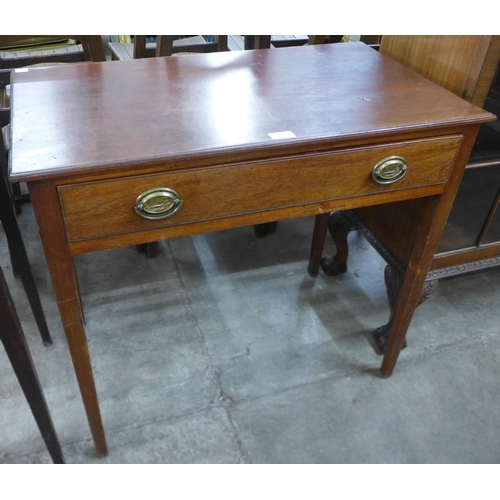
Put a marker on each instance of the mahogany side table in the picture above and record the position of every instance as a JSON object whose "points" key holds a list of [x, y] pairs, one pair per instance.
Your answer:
{"points": [[128, 152]]}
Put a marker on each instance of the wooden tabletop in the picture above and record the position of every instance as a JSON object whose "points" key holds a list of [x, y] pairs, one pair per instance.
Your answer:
{"points": [[90, 117]]}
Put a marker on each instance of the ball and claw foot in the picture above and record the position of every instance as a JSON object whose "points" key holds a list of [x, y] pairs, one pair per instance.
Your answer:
{"points": [[381, 335], [332, 266]]}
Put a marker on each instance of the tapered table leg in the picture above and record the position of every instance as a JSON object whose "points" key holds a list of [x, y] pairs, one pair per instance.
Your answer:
{"points": [[433, 217], [64, 280]]}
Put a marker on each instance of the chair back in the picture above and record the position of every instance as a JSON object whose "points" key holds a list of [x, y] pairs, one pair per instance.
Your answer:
{"points": [[165, 45], [17, 51], [462, 64]]}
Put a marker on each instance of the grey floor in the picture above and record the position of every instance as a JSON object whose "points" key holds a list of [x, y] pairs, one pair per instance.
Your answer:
{"points": [[224, 350]]}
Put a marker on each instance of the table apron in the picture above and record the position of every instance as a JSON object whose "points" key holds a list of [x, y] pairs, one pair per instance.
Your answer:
{"points": [[226, 196]]}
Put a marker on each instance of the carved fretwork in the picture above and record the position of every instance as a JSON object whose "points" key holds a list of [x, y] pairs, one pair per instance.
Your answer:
{"points": [[468, 267], [340, 225], [382, 250]]}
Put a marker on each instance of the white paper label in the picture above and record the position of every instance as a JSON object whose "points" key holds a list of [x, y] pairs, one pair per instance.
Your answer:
{"points": [[282, 135]]}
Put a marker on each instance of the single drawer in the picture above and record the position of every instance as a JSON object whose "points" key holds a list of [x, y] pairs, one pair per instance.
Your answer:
{"points": [[104, 208]]}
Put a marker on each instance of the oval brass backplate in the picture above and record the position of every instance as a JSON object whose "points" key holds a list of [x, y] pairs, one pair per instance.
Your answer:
{"points": [[158, 203], [390, 170]]}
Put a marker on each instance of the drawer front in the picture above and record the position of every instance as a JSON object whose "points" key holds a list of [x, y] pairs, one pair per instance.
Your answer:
{"points": [[104, 208]]}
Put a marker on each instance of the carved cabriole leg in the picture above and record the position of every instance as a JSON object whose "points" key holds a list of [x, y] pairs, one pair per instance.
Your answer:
{"points": [[45, 200], [393, 282], [340, 226]]}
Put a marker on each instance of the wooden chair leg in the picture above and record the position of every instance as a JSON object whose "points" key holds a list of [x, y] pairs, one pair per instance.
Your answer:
{"points": [[19, 259], [316, 39], [93, 48], [318, 241], [149, 249], [139, 46], [265, 229], [152, 250], [257, 42], [221, 41], [164, 45], [15, 345], [339, 227], [16, 197]]}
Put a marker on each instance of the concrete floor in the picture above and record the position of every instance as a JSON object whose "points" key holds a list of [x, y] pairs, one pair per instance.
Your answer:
{"points": [[224, 350]]}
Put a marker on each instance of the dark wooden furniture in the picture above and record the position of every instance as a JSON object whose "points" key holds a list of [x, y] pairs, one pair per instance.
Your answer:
{"points": [[165, 45], [252, 42], [14, 190], [277, 41], [17, 250], [14, 342], [468, 66], [340, 112], [19, 259], [89, 48], [242, 42], [373, 40]]}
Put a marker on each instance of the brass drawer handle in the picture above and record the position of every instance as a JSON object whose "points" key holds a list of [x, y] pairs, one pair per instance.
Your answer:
{"points": [[389, 170], [158, 203]]}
